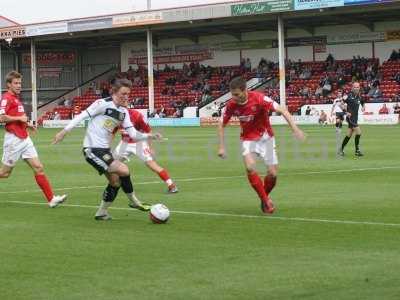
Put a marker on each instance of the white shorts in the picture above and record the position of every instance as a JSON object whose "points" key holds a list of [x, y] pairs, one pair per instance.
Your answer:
{"points": [[141, 149], [15, 148], [265, 148]]}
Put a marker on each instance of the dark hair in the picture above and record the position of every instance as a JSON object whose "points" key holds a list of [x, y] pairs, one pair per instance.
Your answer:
{"points": [[238, 83], [13, 75], [119, 83]]}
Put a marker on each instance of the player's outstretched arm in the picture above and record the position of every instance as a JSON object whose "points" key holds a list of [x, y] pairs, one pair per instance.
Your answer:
{"points": [[221, 138], [71, 125], [297, 132]]}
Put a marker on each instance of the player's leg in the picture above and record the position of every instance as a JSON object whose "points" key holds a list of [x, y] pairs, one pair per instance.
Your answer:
{"points": [[11, 155], [122, 171], [43, 182], [5, 171], [109, 195], [346, 138], [268, 153], [249, 149], [163, 174], [143, 152], [357, 138]]}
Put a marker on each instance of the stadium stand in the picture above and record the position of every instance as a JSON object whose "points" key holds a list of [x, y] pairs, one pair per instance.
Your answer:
{"points": [[307, 83]]}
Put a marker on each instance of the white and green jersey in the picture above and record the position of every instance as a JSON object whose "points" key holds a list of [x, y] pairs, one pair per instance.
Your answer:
{"points": [[105, 117]]}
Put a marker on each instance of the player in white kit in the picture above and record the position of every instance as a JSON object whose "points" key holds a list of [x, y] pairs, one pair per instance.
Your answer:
{"points": [[105, 116]]}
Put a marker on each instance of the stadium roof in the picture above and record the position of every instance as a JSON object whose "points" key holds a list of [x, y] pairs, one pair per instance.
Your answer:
{"points": [[234, 26], [5, 22]]}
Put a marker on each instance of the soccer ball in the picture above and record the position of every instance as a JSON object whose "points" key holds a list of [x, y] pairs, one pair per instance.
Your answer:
{"points": [[159, 213]]}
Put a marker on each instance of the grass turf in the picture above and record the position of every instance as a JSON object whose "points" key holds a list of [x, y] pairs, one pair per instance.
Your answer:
{"points": [[237, 253]]}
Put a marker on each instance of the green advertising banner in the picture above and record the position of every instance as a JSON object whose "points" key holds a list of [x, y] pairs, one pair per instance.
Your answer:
{"points": [[243, 45], [262, 7]]}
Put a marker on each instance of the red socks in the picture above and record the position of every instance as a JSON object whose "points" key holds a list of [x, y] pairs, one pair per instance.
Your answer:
{"points": [[269, 183], [257, 185], [45, 186], [165, 177]]}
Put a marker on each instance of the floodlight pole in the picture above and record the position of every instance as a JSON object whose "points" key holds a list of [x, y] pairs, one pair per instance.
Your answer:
{"points": [[281, 51], [150, 65], [150, 68], [1, 78], [33, 78]]}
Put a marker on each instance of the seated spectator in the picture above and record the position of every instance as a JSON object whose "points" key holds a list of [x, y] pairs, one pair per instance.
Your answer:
{"points": [[323, 118], [376, 94], [56, 116], [384, 110], [105, 92], [67, 102], [396, 108], [167, 68], [139, 101], [223, 86], [397, 77]]}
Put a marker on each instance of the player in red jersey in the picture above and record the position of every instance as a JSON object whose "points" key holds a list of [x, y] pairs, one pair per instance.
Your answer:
{"points": [[17, 143], [142, 149], [257, 136]]}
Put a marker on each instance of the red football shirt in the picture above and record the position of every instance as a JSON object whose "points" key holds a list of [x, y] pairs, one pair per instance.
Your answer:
{"points": [[10, 105], [253, 115], [138, 122]]}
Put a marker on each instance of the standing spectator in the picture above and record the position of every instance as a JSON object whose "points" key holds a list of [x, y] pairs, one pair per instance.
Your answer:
{"points": [[394, 56], [396, 108], [308, 111], [384, 110], [248, 65], [323, 118]]}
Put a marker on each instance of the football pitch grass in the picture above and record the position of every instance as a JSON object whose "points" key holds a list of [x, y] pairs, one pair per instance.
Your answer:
{"points": [[335, 234]]}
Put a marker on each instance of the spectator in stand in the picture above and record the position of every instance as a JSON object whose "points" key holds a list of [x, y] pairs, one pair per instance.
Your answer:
{"points": [[167, 68], [139, 101], [326, 85], [308, 111], [242, 65], [384, 110], [314, 112], [130, 73], [397, 77], [305, 91], [305, 74], [206, 87], [67, 102], [206, 98], [394, 56], [105, 92], [323, 118], [396, 108], [248, 65], [162, 112], [223, 86], [57, 116], [375, 94], [330, 60]]}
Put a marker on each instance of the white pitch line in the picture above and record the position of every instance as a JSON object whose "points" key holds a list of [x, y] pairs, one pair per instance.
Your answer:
{"points": [[212, 214], [212, 178]]}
